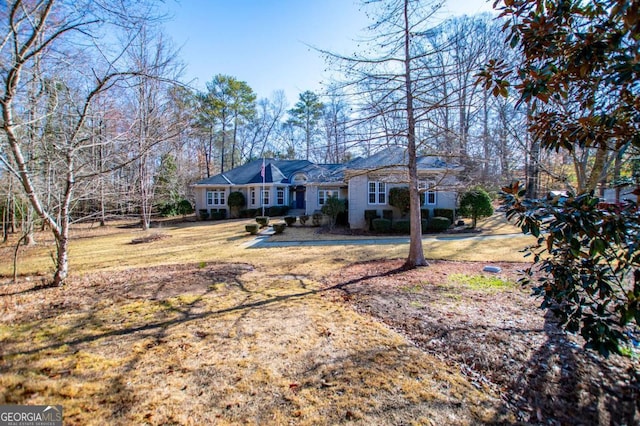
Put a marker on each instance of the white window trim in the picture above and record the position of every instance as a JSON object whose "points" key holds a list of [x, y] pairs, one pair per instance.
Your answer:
{"points": [[216, 197], [284, 196], [377, 193], [435, 197], [325, 193], [265, 196]]}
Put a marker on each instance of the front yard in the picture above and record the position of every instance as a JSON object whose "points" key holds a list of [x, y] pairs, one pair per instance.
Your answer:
{"points": [[193, 327]]}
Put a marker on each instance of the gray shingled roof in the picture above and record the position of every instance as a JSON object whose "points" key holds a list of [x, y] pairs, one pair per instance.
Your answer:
{"points": [[394, 156], [281, 171], [276, 171]]}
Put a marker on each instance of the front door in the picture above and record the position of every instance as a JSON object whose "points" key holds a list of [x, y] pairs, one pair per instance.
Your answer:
{"points": [[300, 192]]}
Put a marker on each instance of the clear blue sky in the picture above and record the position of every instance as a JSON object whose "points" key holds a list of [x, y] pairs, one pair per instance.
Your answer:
{"points": [[264, 42]]}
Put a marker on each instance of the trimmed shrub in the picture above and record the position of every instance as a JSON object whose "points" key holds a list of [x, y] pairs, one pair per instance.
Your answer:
{"points": [[439, 223], [204, 214], [263, 221], [304, 219], [278, 228], [369, 216], [276, 211], [387, 214], [424, 214], [381, 225], [448, 213], [290, 220], [236, 201], [252, 228], [425, 226], [402, 226], [218, 214], [249, 213]]}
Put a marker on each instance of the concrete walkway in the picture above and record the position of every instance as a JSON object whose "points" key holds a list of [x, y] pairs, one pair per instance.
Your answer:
{"points": [[262, 240]]}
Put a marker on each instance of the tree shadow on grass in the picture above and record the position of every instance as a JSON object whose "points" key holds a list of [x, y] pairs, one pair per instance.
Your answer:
{"points": [[542, 374], [153, 331], [562, 383]]}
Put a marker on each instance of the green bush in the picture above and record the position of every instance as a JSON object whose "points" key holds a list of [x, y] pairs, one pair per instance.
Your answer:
{"points": [[387, 214], [425, 226], [448, 213], [204, 214], [276, 211], [369, 216], [168, 210], [236, 201], [439, 223], [184, 207], [262, 221], [381, 225], [402, 226], [249, 213], [290, 220], [304, 219], [475, 204], [218, 214], [399, 198], [424, 214], [252, 229], [278, 228], [584, 262], [332, 208]]}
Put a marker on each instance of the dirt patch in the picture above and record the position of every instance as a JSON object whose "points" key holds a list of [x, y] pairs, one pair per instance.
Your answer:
{"points": [[149, 238], [497, 337]]}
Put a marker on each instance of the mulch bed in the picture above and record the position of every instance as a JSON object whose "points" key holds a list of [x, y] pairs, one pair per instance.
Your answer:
{"points": [[499, 339]]}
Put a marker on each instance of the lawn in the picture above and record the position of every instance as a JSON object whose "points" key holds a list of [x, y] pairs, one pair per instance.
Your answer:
{"points": [[188, 324]]}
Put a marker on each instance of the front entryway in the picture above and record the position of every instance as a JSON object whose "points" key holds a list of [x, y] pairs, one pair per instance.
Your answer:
{"points": [[300, 195]]}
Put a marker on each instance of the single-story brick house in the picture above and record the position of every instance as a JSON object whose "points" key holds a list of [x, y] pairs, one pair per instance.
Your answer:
{"points": [[304, 186]]}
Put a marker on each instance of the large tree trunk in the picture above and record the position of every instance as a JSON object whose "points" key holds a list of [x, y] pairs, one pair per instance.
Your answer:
{"points": [[416, 254], [598, 169]]}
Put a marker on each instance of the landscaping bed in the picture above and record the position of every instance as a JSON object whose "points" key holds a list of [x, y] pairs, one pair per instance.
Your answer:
{"points": [[494, 333]]}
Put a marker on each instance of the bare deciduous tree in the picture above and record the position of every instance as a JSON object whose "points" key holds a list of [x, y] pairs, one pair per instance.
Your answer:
{"points": [[391, 80], [64, 42]]}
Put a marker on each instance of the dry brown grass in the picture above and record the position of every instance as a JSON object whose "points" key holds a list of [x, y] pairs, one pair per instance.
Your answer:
{"points": [[199, 329], [110, 248]]}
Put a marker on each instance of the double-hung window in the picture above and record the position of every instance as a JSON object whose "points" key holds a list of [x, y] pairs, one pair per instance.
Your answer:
{"points": [[216, 198], [377, 192], [265, 197], [253, 197], [280, 196], [325, 194], [430, 197]]}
